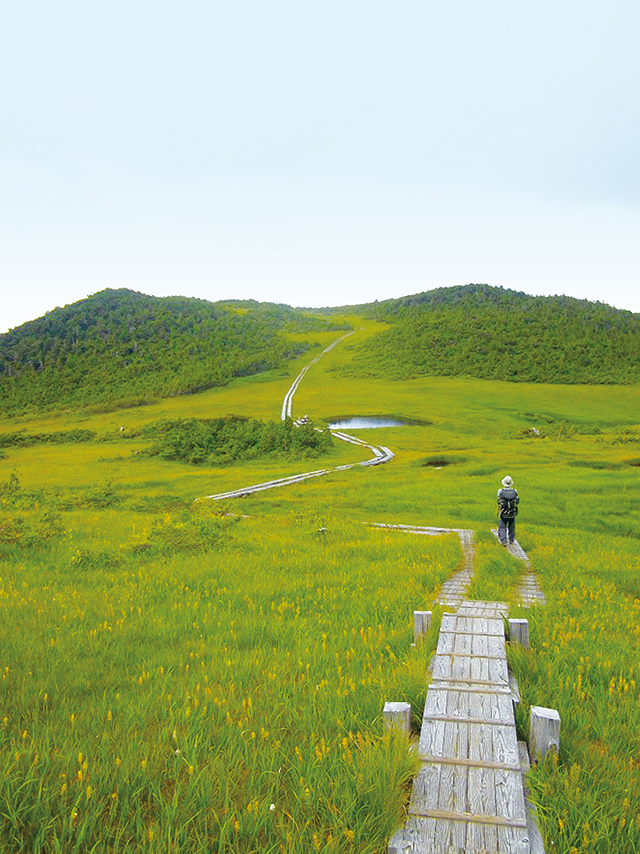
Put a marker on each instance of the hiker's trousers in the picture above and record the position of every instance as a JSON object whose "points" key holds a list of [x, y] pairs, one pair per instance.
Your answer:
{"points": [[506, 530]]}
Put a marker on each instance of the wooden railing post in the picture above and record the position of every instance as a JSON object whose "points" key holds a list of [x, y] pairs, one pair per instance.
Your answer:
{"points": [[519, 632], [421, 624], [398, 715], [544, 731]]}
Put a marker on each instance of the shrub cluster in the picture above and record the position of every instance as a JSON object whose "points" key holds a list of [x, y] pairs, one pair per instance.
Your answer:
{"points": [[22, 439], [225, 440]]}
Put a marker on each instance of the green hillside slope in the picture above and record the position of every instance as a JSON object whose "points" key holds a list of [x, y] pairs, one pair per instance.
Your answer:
{"points": [[493, 333], [120, 347]]}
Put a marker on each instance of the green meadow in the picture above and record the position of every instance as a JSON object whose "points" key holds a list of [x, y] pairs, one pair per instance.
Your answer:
{"points": [[200, 676]]}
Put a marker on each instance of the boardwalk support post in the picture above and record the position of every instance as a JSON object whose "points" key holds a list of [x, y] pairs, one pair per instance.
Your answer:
{"points": [[421, 624], [398, 715], [544, 731], [519, 632]]}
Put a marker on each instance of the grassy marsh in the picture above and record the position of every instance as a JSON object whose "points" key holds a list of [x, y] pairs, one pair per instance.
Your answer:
{"points": [[168, 673]]}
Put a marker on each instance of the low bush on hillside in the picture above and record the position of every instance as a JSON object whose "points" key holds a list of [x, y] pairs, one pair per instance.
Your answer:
{"points": [[28, 531], [194, 529], [22, 439], [225, 440]]}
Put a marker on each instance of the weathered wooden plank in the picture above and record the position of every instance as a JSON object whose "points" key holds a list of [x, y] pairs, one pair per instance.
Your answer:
{"points": [[472, 643], [481, 689], [480, 669], [509, 794], [449, 748], [471, 671], [411, 840], [481, 743], [485, 705], [473, 606], [437, 703], [426, 788], [492, 645], [494, 820], [452, 786], [469, 720], [453, 623], [512, 840], [466, 762], [482, 802], [469, 654], [504, 747], [459, 702], [460, 804], [432, 738], [481, 684]]}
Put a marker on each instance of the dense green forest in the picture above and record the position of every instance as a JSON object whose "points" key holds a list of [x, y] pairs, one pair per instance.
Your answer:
{"points": [[493, 333], [123, 348], [120, 347]]}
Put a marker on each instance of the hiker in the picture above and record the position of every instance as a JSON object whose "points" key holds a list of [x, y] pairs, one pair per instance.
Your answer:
{"points": [[508, 501]]}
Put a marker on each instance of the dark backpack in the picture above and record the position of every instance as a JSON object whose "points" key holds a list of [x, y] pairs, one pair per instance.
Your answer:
{"points": [[508, 504]]}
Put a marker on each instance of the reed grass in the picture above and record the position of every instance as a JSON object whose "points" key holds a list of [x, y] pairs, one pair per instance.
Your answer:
{"points": [[167, 704], [170, 673]]}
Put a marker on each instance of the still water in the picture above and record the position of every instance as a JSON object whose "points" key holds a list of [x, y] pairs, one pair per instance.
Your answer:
{"points": [[366, 423]]}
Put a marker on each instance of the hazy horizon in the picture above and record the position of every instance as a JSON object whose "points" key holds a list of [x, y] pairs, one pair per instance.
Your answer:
{"points": [[277, 302], [317, 155]]}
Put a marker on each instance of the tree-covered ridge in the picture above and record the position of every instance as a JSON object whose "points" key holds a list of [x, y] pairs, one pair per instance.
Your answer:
{"points": [[284, 317], [120, 347], [492, 333]]}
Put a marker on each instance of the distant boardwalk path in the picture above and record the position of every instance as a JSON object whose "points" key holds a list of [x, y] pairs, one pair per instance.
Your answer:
{"points": [[529, 592], [380, 453], [455, 589]]}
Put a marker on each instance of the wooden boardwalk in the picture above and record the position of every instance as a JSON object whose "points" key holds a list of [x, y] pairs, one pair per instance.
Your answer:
{"points": [[468, 795], [529, 592], [454, 590]]}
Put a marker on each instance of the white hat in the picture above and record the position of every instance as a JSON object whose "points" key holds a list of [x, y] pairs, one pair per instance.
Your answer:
{"points": [[506, 481]]}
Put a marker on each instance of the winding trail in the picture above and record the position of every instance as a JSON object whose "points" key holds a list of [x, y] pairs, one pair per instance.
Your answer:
{"points": [[530, 593], [469, 792], [288, 398], [453, 591], [380, 453]]}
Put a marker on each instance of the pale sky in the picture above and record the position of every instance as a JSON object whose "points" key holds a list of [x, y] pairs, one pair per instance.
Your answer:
{"points": [[317, 153]]}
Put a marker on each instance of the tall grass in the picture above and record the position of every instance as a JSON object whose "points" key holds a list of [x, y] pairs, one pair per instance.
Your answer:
{"points": [[584, 661], [496, 573], [226, 701], [168, 674]]}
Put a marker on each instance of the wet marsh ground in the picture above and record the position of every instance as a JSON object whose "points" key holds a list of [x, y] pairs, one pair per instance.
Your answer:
{"points": [[169, 672]]}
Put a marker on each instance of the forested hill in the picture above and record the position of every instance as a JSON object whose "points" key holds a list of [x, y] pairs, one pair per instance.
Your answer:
{"points": [[494, 333], [120, 347]]}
